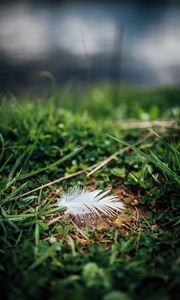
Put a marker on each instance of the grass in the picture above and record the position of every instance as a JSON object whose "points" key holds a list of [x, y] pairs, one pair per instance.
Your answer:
{"points": [[63, 139]]}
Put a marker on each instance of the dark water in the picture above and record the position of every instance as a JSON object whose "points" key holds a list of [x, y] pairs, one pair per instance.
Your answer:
{"points": [[89, 42]]}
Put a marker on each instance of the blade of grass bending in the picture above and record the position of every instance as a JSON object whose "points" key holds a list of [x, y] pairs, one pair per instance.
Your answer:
{"points": [[5, 219], [169, 146], [110, 158], [2, 146], [57, 163], [17, 163], [174, 151], [164, 167], [14, 193], [151, 158], [18, 218], [5, 163]]}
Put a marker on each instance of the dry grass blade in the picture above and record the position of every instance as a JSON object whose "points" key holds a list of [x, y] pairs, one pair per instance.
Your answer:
{"points": [[113, 156], [148, 124], [56, 181]]}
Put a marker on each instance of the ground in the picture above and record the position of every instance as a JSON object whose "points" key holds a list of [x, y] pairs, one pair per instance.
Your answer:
{"points": [[98, 138]]}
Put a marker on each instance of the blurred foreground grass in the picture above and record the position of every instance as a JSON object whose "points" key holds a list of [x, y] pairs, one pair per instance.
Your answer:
{"points": [[137, 255]]}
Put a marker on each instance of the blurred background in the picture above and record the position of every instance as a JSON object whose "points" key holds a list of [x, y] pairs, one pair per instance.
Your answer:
{"points": [[86, 42]]}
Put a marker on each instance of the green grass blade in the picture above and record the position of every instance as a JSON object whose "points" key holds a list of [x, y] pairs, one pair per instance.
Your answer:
{"points": [[151, 158], [14, 193], [16, 165], [57, 163], [6, 162], [49, 252]]}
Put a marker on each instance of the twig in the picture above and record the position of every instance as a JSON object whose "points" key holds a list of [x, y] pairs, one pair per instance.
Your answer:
{"points": [[56, 181], [113, 156], [95, 167], [137, 214], [54, 220], [107, 160], [141, 125], [79, 230]]}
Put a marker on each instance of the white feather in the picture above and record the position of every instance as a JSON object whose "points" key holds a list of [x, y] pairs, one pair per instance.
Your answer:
{"points": [[79, 201]]}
